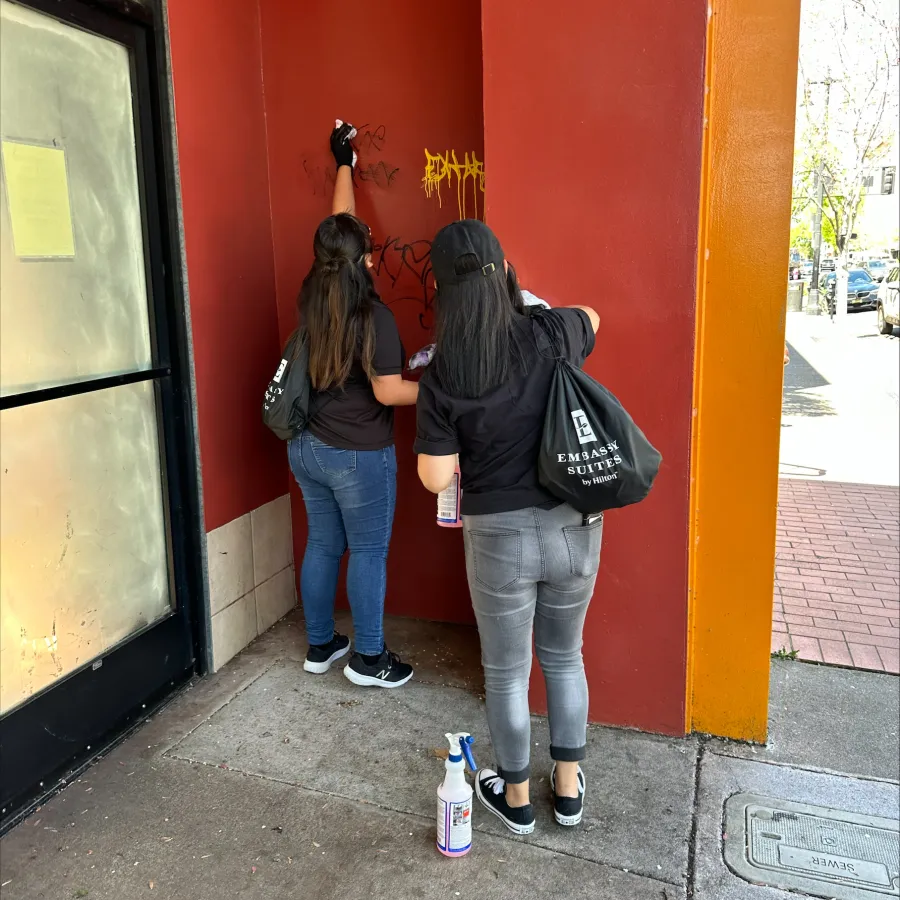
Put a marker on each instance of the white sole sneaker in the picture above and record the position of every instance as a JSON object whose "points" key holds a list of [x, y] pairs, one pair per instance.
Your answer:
{"points": [[371, 681], [568, 821], [512, 826], [319, 668]]}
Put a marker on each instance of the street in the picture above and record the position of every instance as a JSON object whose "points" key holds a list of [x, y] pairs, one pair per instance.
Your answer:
{"points": [[841, 412]]}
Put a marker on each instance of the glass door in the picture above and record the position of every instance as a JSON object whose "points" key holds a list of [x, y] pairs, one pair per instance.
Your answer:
{"points": [[98, 530]]}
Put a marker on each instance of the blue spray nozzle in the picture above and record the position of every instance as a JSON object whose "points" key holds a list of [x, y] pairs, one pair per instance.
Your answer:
{"points": [[461, 746], [465, 744]]}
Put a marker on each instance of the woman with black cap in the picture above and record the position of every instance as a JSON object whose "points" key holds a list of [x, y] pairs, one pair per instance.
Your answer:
{"points": [[531, 560]]}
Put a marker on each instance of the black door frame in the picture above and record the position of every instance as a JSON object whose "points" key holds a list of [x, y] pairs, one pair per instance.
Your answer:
{"points": [[63, 728]]}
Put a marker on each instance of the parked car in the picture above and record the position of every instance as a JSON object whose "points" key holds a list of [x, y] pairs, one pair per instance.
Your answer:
{"points": [[888, 302], [861, 290], [827, 265], [806, 269], [878, 268]]}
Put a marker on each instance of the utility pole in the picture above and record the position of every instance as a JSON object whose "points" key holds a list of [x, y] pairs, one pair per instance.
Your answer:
{"points": [[813, 305]]}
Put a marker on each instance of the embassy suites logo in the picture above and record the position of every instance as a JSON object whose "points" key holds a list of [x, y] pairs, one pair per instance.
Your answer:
{"points": [[597, 463], [583, 430]]}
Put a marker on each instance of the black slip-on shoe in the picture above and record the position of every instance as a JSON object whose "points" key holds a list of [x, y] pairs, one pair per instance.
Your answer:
{"points": [[491, 791], [568, 810]]}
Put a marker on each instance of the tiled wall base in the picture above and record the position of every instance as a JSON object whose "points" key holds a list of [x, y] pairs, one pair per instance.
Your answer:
{"points": [[251, 577]]}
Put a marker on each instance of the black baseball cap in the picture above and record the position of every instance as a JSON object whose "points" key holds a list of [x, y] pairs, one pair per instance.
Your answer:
{"points": [[458, 239]]}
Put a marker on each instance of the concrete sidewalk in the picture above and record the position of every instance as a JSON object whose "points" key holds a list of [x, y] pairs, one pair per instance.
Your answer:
{"points": [[840, 413], [263, 782]]}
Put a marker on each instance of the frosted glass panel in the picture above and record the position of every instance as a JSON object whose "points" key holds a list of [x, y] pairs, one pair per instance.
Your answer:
{"points": [[69, 319], [83, 560]]}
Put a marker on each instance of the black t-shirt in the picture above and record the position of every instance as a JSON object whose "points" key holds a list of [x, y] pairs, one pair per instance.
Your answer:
{"points": [[498, 436], [352, 419]]}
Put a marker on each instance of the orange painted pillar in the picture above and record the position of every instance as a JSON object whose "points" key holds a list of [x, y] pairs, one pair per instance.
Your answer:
{"points": [[744, 229]]}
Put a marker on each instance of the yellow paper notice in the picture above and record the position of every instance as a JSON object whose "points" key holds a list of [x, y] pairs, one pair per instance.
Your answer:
{"points": [[38, 193]]}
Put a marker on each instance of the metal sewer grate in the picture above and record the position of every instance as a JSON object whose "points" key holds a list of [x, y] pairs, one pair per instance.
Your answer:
{"points": [[823, 852]]}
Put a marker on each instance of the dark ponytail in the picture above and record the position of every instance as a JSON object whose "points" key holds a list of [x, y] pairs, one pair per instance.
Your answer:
{"points": [[336, 302]]}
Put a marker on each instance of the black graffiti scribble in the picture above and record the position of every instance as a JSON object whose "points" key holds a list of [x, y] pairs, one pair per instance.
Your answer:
{"points": [[381, 174], [321, 178], [407, 268], [368, 138]]}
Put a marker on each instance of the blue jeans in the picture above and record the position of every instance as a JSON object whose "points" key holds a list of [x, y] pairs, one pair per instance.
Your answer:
{"points": [[349, 497]]}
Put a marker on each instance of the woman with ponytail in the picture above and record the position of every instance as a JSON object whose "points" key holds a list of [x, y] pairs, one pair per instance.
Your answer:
{"points": [[344, 461]]}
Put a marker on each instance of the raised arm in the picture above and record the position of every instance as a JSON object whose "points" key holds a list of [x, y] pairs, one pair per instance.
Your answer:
{"points": [[345, 158]]}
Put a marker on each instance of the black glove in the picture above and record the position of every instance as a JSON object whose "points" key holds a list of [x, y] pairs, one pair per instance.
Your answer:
{"points": [[340, 145]]}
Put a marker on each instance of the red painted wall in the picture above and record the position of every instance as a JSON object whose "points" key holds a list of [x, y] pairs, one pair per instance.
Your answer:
{"points": [[592, 131], [593, 120], [220, 124], [412, 76]]}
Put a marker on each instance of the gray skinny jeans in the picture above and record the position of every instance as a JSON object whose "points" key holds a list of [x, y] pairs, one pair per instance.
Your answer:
{"points": [[532, 569]]}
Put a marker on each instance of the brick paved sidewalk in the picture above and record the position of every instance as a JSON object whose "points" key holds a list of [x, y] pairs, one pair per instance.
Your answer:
{"points": [[837, 577]]}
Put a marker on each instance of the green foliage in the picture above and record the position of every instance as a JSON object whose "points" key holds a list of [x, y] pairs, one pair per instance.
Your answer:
{"points": [[847, 108], [801, 238]]}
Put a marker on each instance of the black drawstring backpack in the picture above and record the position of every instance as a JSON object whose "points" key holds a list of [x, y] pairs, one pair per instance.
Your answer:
{"points": [[592, 454], [286, 404]]}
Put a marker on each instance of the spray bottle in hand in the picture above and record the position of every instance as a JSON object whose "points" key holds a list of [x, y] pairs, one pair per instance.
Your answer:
{"points": [[449, 503], [454, 809], [449, 500]]}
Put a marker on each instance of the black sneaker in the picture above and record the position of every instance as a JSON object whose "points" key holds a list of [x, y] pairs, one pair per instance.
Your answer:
{"points": [[387, 671], [568, 810], [320, 658], [491, 791]]}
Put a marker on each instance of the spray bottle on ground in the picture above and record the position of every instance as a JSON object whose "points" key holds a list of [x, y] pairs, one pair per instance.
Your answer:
{"points": [[454, 808]]}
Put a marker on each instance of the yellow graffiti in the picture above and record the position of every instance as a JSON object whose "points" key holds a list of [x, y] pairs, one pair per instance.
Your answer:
{"points": [[445, 167]]}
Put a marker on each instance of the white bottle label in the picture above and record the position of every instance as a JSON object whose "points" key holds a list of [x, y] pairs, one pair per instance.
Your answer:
{"points": [[448, 502], [454, 825]]}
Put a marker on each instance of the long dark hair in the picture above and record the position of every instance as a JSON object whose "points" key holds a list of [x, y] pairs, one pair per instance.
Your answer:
{"points": [[335, 302], [475, 342]]}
